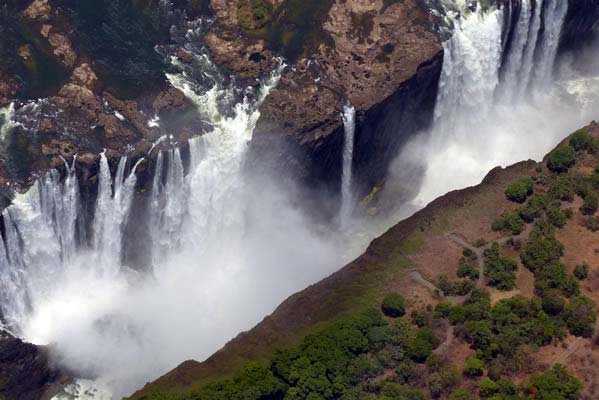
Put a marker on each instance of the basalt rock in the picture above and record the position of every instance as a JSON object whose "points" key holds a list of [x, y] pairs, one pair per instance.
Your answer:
{"points": [[358, 52], [26, 372]]}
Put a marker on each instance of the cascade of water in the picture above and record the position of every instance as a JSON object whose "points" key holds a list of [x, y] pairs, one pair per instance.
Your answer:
{"points": [[470, 71], [515, 57], [349, 123], [554, 16], [6, 120]]}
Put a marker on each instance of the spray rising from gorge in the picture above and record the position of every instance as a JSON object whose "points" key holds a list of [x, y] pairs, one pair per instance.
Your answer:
{"points": [[227, 247]]}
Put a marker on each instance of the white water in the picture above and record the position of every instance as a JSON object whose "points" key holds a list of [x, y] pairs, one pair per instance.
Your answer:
{"points": [[225, 249], [347, 201], [483, 120]]}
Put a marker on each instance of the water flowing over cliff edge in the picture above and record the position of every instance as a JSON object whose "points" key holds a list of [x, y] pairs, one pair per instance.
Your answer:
{"points": [[221, 247]]}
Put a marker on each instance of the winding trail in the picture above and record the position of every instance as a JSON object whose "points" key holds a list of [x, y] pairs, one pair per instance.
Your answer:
{"points": [[480, 257]]}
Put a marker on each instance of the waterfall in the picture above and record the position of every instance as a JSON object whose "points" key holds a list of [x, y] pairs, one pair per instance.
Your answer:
{"points": [[554, 16], [495, 98], [349, 124]]}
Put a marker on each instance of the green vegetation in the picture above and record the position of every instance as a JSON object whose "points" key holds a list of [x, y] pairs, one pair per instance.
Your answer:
{"points": [[581, 140], [500, 270], [590, 204], [580, 316], [592, 223], [554, 384], [519, 190], [394, 305], [473, 367], [581, 271], [468, 267], [459, 288], [509, 222], [561, 159]]}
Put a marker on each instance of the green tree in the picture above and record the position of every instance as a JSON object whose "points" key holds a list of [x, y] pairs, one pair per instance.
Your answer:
{"points": [[581, 271], [580, 140], [519, 190], [580, 316], [590, 204], [554, 384], [561, 159], [394, 305], [473, 367]]}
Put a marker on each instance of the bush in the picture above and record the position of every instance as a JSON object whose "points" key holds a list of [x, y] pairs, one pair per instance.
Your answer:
{"points": [[581, 271], [553, 302], [480, 242], [467, 270], [509, 222], [500, 270], [393, 305], [561, 159], [580, 316], [519, 190], [592, 223], [421, 346], [590, 204], [488, 388], [558, 217], [460, 394], [443, 308], [541, 249], [473, 367], [580, 140], [554, 384]]}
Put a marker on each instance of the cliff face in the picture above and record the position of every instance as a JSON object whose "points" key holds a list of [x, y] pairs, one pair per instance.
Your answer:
{"points": [[375, 55]]}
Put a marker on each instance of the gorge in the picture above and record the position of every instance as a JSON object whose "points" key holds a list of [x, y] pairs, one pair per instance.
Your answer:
{"points": [[128, 262]]}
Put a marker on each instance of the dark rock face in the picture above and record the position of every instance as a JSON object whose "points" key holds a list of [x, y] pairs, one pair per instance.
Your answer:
{"points": [[581, 25], [26, 372]]}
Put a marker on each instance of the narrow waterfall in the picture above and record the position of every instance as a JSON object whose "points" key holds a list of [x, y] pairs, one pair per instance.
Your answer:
{"points": [[6, 122], [349, 124]]}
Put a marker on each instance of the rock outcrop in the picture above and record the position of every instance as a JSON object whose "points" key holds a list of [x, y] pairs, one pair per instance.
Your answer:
{"points": [[26, 372]]}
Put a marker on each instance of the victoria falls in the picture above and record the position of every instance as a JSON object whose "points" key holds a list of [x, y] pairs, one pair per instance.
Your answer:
{"points": [[284, 199]]}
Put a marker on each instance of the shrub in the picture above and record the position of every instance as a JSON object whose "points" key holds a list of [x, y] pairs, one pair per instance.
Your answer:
{"points": [[554, 384], [553, 302], [590, 204], [592, 223], [460, 394], [562, 188], [443, 308], [473, 367], [500, 270], [421, 346], [561, 159], [519, 190], [580, 316], [581, 271], [558, 217], [509, 222], [541, 250], [580, 140], [420, 318], [488, 388], [467, 270], [480, 242], [394, 305]]}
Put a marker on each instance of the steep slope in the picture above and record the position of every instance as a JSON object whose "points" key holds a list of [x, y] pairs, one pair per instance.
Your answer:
{"points": [[408, 259]]}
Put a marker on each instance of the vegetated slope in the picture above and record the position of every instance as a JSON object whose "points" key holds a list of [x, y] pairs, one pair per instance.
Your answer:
{"points": [[499, 283]]}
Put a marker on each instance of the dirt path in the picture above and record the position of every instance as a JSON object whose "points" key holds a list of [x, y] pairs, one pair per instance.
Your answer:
{"points": [[563, 357], [449, 336]]}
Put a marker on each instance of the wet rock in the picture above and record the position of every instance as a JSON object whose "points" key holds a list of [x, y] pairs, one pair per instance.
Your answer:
{"points": [[63, 49], [26, 372], [38, 10], [8, 88], [84, 76], [171, 99]]}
